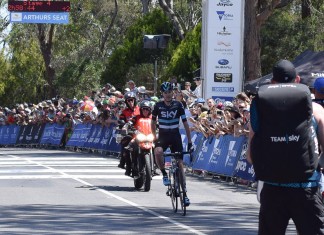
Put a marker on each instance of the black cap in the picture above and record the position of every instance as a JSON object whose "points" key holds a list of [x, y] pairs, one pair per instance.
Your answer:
{"points": [[284, 71]]}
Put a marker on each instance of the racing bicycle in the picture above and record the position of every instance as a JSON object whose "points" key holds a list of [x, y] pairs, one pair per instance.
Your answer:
{"points": [[176, 188]]}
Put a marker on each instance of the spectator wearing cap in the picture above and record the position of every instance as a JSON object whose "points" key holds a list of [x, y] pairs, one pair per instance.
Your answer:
{"points": [[319, 90], [142, 94], [132, 87], [11, 117], [175, 85], [188, 94], [197, 91], [2, 119], [105, 105]]}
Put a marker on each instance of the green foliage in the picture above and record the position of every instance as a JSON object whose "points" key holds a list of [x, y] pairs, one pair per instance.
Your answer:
{"points": [[186, 57], [132, 53], [286, 35], [24, 68]]}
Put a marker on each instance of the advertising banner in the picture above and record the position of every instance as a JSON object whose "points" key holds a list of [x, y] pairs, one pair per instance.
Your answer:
{"points": [[222, 48]]}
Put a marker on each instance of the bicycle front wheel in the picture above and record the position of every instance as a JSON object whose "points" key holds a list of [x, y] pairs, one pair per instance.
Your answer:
{"points": [[180, 190], [172, 192]]}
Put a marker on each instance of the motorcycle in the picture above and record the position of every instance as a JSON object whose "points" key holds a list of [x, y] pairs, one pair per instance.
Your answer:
{"points": [[141, 152]]}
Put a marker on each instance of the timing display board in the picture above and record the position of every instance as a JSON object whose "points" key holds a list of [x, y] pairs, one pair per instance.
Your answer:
{"points": [[38, 6]]}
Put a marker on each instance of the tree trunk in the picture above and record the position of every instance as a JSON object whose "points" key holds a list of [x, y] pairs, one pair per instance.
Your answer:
{"points": [[46, 45], [252, 47], [176, 23], [145, 4], [256, 15], [306, 8], [104, 36]]}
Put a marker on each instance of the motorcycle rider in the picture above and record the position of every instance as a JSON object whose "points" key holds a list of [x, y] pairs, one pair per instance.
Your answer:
{"points": [[142, 123], [131, 110]]}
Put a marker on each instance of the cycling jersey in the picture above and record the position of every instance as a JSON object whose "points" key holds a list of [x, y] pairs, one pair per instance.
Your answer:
{"points": [[169, 116]]}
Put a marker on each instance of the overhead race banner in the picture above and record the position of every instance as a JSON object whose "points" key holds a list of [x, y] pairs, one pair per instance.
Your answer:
{"points": [[222, 48]]}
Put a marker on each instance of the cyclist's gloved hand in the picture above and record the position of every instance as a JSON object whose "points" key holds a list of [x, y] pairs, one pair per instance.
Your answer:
{"points": [[190, 147]]}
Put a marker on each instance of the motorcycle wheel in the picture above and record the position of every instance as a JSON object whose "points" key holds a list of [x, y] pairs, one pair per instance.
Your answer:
{"points": [[147, 173], [139, 182]]}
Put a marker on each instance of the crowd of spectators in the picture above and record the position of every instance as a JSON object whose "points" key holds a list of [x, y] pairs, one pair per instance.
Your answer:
{"points": [[105, 105]]}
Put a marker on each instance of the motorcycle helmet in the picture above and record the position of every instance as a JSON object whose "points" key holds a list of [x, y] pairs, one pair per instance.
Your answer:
{"points": [[145, 104], [130, 95], [166, 86]]}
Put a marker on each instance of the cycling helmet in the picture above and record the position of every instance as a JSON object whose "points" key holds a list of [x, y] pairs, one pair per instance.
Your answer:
{"points": [[166, 86], [155, 99]]}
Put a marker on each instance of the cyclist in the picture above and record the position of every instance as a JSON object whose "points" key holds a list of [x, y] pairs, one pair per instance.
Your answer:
{"points": [[126, 115], [168, 113]]}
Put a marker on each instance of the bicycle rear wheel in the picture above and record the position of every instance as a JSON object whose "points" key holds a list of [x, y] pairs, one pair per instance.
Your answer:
{"points": [[172, 192]]}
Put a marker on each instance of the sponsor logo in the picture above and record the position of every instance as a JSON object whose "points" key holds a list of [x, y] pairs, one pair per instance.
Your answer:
{"points": [[223, 43], [317, 74], [224, 32], [224, 16], [225, 3], [169, 114], [224, 51], [223, 77], [223, 89], [223, 62], [287, 139]]}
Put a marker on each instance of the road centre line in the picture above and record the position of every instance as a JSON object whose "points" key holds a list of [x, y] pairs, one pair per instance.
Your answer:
{"points": [[178, 224]]}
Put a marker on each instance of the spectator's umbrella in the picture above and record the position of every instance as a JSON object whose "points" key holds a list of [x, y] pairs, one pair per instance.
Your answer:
{"points": [[87, 106], [309, 66]]}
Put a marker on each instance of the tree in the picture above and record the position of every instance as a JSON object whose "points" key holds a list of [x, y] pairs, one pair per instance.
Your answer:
{"points": [[131, 53], [186, 57]]}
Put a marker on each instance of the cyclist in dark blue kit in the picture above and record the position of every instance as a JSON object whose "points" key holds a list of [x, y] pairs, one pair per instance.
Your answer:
{"points": [[168, 113]]}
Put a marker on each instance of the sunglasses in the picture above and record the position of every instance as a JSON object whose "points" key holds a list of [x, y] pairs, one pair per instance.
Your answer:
{"points": [[130, 100], [145, 109]]}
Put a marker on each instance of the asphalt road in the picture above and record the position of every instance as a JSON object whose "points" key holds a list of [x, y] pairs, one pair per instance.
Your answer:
{"points": [[61, 192]]}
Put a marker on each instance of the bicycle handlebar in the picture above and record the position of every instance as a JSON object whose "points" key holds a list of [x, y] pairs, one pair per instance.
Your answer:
{"points": [[176, 153]]}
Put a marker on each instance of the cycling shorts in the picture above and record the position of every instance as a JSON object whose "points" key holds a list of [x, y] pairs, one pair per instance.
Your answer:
{"points": [[172, 140]]}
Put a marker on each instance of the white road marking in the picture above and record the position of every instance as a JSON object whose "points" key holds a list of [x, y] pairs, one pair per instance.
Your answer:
{"points": [[78, 179], [65, 170]]}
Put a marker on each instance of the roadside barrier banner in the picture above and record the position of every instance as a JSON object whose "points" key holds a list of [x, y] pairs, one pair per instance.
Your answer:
{"points": [[52, 134], [9, 134], [243, 168], [80, 135], [196, 139], [225, 154], [112, 145], [203, 153], [30, 134], [94, 137]]}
